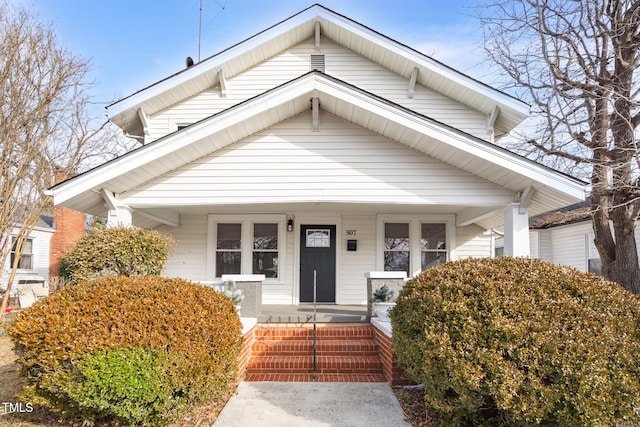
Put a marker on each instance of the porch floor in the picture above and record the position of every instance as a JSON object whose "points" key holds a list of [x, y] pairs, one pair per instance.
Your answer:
{"points": [[303, 313]]}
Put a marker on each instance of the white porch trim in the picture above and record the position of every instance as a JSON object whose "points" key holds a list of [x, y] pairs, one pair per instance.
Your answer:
{"points": [[119, 214], [516, 231]]}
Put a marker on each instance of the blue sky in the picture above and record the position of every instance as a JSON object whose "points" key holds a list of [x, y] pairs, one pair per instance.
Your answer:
{"points": [[134, 43]]}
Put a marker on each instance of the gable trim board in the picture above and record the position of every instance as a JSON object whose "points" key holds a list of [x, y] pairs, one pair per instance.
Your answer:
{"points": [[396, 56], [437, 140]]}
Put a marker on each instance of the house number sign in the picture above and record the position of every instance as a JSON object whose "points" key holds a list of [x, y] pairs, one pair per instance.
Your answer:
{"points": [[351, 232]]}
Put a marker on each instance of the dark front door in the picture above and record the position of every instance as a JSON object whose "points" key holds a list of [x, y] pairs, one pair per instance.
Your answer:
{"points": [[318, 252]]}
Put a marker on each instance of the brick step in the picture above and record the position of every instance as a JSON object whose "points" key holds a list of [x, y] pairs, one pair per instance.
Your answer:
{"points": [[334, 378], [325, 333], [344, 353], [324, 365], [324, 348]]}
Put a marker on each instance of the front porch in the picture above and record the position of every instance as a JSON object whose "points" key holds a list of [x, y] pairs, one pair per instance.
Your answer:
{"points": [[303, 313], [351, 346]]}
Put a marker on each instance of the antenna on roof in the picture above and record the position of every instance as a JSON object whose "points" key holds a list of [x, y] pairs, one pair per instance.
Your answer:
{"points": [[199, 30]]}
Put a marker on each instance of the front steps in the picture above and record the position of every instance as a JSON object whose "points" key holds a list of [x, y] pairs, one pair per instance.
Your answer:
{"points": [[345, 353]]}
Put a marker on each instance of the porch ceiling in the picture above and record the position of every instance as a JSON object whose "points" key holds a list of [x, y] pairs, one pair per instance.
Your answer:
{"points": [[425, 135]]}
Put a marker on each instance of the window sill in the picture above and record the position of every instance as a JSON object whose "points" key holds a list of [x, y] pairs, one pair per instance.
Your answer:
{"points": [[244, 277]]}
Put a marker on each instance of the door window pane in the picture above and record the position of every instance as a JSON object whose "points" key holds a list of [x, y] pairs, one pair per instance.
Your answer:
{"points": [[318, 238], [396, 245], [265, 250]]}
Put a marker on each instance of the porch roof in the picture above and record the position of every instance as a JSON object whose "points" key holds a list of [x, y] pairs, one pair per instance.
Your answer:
{"points": [[547, 188]]}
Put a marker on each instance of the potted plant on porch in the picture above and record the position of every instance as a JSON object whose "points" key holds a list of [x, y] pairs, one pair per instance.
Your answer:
{"points": [[382, 301], [236, 295]]}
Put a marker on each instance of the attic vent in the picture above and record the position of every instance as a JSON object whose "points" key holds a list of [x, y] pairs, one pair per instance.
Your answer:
{"points": [[317, 62]]}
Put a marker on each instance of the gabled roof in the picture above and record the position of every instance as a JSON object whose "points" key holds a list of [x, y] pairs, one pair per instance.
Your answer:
{"points": [[391, 54], [345, 101]]}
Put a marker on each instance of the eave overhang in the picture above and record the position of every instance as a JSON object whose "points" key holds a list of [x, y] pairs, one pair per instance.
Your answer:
{"points": [[391, 54], [435, 139]]}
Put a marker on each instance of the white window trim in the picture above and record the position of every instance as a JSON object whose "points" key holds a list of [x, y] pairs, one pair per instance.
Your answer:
{"points": [[415, 232], [247, 222], [34, 257]]}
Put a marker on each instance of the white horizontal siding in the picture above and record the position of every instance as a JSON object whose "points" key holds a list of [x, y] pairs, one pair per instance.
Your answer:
{"points": [[341, 162], [541, 245], [472, 241], [41, 251], [354, 264], [340, 63], [569, 245], [189, 260]]}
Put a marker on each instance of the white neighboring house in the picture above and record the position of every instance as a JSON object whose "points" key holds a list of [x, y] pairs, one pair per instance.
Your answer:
{"points": [[320, 145], [32, 277], [566, 237]]}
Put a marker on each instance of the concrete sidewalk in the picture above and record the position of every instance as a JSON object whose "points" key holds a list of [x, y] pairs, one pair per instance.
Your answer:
{"points": [[309, 404]]}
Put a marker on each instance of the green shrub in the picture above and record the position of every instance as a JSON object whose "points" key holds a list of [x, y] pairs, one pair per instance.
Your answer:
{"points": [[518, 342], [126, 384], [70, 346], [118, 251]]}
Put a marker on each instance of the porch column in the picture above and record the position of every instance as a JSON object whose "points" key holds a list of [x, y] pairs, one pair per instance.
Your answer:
{"points": [[516, 231]]}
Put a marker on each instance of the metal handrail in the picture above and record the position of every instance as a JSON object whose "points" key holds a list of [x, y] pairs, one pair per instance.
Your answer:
{"points": [[315, 343]]}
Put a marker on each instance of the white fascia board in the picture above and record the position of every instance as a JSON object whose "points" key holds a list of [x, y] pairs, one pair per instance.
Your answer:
{"points": [[313, 13], [311, 85], [456, 139], [213, 63], [430, 64], [100, 175]]}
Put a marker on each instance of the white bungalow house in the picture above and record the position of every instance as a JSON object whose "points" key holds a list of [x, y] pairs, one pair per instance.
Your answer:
{"points": [[320, 145]]}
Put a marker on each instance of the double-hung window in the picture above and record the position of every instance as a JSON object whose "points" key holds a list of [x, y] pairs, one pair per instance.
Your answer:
{"points": [[413, 243], [265, 249], [433, 244], [228, 248], [242, 244], [396, 247], [26, 258]]}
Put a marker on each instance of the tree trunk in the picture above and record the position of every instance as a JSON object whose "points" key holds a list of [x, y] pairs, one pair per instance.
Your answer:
{"points": [[619, 255], [626, 271]]}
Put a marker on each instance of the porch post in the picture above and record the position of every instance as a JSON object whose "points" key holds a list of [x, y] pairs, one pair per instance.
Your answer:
{"points": [[516, 231]]}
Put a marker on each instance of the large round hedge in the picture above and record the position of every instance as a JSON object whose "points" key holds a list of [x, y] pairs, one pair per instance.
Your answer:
{"points": [[139, 350], [518, 342]]}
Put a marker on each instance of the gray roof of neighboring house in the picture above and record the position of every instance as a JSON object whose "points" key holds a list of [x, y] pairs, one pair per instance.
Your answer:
{"points": [[46, 221], [578, 212]]}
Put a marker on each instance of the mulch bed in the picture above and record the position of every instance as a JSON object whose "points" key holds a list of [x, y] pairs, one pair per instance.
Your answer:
{"points": [[412, 402]]}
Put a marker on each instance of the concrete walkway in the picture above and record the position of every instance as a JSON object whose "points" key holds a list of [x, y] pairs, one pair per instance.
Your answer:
{"points": [[292, 404]]}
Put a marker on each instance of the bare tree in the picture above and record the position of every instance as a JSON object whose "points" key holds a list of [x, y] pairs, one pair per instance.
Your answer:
{"points": [[44, 127], [577, 64]]}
